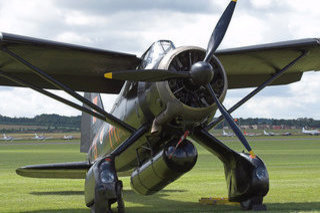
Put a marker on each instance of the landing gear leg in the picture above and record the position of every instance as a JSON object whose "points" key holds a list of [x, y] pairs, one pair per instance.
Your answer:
{"points": [[247, 176], [120, 198]]}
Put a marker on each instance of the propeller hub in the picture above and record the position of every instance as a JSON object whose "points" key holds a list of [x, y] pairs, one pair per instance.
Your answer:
{"points": [[201, 73]]}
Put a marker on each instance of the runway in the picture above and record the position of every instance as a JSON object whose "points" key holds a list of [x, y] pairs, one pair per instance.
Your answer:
{"points": [[35, 143]]}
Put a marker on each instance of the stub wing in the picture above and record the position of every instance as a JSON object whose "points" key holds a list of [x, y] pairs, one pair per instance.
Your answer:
{"points": [[250, 66], [72, 170], [80, 68]]}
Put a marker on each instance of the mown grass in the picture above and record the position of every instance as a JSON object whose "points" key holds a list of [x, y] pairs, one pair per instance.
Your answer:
{"points": [[293, 164]]}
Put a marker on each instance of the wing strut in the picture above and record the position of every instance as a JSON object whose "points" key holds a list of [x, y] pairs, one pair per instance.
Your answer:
{"points": [[51, 95], [103, 114], [258, 89], [136, 135]]}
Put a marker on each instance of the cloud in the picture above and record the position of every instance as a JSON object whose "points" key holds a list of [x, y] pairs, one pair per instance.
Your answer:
{"points": [[131, 26], [25, 102], [109, 7], [292, 101]]}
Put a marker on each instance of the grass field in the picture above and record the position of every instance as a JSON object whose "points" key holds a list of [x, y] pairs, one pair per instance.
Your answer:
{"points": [[293, 164]]}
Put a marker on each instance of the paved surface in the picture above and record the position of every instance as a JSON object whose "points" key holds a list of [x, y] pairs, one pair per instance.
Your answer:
{"points": [[36, 143]]}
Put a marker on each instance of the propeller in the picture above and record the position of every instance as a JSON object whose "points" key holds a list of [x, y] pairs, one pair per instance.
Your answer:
{"points": [[150, 75], [215, 41], [220, 30], [231, 122], [201, 73]]}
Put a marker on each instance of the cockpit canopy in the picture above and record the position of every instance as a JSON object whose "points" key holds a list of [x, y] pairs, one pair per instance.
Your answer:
{"points": [[152, 57]]}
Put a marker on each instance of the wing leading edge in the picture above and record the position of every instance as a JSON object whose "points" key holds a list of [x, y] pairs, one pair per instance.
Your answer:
{"points": [[250, 66], [81, 68]]}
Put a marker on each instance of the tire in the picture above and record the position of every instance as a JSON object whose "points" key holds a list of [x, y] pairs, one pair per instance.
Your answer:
{"points": [[252, 203], [93, 210]]}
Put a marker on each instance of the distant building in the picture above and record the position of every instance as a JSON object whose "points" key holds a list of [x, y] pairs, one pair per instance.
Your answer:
{"points": [[254, 126], [276, 127], [264, 126], [245, 127]]}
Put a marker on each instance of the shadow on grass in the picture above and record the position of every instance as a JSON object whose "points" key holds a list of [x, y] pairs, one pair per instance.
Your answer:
{"points": [[64, 193], [70, 193], [159, 203]]}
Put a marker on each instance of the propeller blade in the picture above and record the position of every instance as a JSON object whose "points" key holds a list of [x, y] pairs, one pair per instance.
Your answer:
{"points": [[231, 122], [149, 75], [220, 30]]}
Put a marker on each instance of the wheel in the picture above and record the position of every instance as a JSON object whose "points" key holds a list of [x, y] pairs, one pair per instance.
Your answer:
{"points": [[254, 203], [94, 210], [101, 202]]}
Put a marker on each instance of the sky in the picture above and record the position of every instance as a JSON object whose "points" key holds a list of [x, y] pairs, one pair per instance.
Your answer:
{"points": [[131, 26]]}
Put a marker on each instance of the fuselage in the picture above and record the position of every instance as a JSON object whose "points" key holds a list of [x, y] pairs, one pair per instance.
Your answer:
{"points": [[7, 138], [140, 102], [310, 132]]}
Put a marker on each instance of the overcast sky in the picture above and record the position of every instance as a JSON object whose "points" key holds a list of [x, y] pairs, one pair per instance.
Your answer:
{"points": [[132, 25]]}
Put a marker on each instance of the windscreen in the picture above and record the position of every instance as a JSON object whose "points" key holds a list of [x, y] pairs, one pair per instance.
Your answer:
{"points": [[152, 57]]}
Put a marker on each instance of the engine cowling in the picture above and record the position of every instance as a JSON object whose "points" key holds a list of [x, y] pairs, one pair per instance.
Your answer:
{"points": [[188, 103]]}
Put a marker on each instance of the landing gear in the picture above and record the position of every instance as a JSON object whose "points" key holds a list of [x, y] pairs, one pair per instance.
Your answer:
{"points": [[246, 175], [248, 181], [120, 198], [107, 189], [102, 203]]}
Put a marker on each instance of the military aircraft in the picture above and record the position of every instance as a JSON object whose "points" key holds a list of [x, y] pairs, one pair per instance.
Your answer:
{"points": [[9, 138], [165, 97], [68, 137], [310, 132], [286, 134], [227, 134], [40, 137], [268, 133], [6, 138]]}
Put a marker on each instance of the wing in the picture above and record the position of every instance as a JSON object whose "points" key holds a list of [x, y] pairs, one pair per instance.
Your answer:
{"points": [[252, 65], [80, 68]]}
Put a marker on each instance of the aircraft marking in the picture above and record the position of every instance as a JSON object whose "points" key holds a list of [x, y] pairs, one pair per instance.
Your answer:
{"points": [[101, 135], [95, 150], [117, 134], [95, 101], [108, 75], [109, 133]]}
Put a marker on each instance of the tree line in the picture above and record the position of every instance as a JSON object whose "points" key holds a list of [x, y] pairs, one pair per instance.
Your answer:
{"points": [[57, 122], [298, 123], [42, 123]]}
